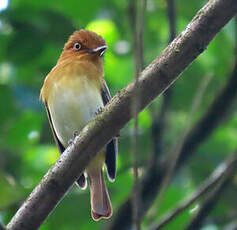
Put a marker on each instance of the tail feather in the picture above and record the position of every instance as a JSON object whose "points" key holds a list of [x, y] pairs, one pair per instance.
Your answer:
{"points": [[100, 200], [81, 182]]}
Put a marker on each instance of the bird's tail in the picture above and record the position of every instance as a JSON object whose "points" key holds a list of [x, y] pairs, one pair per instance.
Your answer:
{"points": [[100, 201]]}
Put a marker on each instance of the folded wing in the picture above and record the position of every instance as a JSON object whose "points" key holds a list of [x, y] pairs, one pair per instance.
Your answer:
{"points": [[112, 146]]}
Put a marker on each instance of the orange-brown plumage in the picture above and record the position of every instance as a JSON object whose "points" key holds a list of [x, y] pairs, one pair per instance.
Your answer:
{"points": [[72, 62], [88, 40], [73, 92]]}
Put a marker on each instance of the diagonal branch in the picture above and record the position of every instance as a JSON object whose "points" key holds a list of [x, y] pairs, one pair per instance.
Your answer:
{"points": [[217, 179], [151, 182], [175, 153], [207, 205], [212, 199], [209, 122], [151, 83]]}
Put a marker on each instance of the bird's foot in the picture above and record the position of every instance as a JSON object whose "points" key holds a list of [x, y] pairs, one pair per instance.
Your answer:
{"points": [[75, 134], [70, 142], [100, 109]]}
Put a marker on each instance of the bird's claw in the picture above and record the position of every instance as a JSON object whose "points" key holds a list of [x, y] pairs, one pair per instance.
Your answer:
{"points": [[70, 142], [75, 134], [100, 109]]}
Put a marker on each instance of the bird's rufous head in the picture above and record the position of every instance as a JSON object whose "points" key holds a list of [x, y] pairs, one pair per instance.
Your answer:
{"points": [[84, 44]]}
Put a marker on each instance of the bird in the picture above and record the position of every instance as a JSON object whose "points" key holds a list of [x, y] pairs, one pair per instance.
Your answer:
{"points": [[74, 92]]}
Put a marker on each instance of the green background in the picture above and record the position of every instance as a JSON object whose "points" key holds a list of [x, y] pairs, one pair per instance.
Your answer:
{"points": [[32, 35]]}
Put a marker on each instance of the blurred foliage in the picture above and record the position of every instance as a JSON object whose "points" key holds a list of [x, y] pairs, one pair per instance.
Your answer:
{"points": [[32, 34]]}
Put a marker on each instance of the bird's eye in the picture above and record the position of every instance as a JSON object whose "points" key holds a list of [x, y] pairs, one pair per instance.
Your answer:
{"points": [[77, 46]]}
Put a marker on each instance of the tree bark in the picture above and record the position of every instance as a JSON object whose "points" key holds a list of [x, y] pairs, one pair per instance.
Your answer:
{"points": [[152, 82], [199, 133]]}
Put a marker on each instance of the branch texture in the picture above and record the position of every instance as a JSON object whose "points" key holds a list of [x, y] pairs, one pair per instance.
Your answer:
{"points": [[209, 203], [200, 132], [152, 82]]}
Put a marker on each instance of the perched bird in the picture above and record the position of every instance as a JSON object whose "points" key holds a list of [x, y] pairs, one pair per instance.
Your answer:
{"points": [[74, 92]]}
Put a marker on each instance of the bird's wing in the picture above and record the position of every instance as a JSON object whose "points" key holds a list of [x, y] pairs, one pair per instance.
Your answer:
{"points": [[82, 180], [112, 146], [59, 144]]}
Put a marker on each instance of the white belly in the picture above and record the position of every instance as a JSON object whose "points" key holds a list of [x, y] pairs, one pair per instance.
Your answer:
{"points": [[72, 108]]}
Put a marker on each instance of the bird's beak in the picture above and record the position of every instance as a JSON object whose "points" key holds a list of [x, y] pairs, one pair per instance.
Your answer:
{"points": [[101, 50]]}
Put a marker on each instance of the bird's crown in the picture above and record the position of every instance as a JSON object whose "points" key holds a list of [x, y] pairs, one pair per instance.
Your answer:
{"points": [[86, 39]]}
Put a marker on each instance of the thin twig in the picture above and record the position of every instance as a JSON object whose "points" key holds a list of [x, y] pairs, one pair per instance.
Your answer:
{"points": [[207, 205], [172, 17], [212, 199], [176, 151], [135, 200], [159, 121], [140, 21], [139, 7], [217, 178], [235, 37]]}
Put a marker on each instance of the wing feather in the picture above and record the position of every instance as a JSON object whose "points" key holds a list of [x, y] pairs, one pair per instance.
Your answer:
{"points": [[112, 146], [82, 180]]}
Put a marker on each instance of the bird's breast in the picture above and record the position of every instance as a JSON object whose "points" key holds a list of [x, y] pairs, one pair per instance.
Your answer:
{"points": [[72, 104]]}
